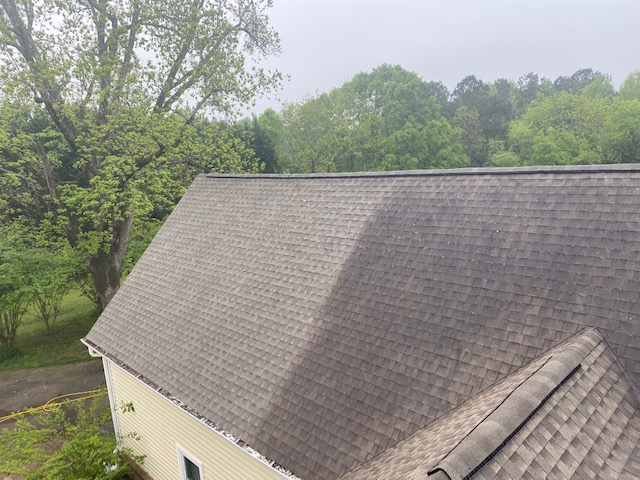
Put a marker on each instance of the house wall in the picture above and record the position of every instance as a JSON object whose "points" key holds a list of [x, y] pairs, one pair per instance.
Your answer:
{"points": [[162, 427]]}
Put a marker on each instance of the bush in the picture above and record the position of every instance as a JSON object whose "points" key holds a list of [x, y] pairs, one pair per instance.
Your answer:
{"points": [[67, 442]]}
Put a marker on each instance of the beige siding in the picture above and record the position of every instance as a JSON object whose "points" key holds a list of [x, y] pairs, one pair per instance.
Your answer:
{"points": [[162, 427]]}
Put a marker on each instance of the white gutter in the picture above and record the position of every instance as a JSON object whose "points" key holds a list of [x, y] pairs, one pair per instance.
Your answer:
{"points": [[112, 396]]}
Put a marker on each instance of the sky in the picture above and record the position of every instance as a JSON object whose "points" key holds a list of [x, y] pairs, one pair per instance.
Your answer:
{"points": [[326, 42]]}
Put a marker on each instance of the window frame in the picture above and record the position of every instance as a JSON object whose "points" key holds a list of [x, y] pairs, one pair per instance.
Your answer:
{"points": [[182, 454]]}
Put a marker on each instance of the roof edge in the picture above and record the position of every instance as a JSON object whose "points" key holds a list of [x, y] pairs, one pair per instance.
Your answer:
{"points": [[493, 433], [454, 172], [184, 407]]}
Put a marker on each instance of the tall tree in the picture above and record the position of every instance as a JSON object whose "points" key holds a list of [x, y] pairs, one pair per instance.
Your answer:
{"points": [[565, 129], [122, 84], [601, 86], [531, 86], [483, 112], [379, 120], [630, 89], [576, 82]]}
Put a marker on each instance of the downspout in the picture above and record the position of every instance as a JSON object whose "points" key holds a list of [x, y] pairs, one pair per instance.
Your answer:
{"points": [[110, 391]]}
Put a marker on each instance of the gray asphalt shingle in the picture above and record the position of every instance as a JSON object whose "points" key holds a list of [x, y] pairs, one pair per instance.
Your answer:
{"points": [[323, 319]]}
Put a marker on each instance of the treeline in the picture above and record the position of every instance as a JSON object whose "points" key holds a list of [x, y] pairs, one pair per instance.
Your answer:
{"points": [[391, 119]]}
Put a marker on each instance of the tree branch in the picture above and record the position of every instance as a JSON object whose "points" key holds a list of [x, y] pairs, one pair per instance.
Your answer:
{"points": [[48, 91], [71, 225], [169, 82], [127, 61], [46, 170]]}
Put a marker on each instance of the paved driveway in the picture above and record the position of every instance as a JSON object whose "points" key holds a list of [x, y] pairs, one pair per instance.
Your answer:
{"points": [[20, 389]]}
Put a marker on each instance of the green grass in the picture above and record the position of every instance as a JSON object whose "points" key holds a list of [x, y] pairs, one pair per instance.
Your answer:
{"points": [[36, 347]]}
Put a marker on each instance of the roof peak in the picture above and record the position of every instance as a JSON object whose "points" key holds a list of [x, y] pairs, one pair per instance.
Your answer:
{"points": [[483, 171], [505, 421]]}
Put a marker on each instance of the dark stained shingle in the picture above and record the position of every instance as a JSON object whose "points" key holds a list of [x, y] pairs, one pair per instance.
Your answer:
{"points": [[323, 319]]}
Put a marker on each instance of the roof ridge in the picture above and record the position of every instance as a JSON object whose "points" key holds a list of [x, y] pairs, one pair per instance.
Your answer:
{"points": [[497, 428], [478, 171]]}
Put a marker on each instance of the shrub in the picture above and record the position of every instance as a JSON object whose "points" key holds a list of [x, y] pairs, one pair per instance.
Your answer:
{"points": [[67, 442]]}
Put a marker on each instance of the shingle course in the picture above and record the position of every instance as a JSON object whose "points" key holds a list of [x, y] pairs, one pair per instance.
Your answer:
{"points": [[575, 444], [322, 320], [424, 450]]}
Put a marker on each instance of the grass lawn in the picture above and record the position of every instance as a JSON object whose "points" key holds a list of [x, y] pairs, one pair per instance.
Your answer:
{"points": [[38, 348]]}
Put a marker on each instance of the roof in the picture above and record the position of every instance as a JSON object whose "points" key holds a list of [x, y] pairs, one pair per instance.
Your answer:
{"points": [[570, 413], [323, 319]]}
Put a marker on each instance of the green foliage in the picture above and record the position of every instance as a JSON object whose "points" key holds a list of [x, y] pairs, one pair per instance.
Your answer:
{"points": [[577, 129], [37, 347], [475, 144], [503, 159], [35, 270], [141, 236], [576, 83], [404, 148], [56, 266], [623, 140], [17, 270], [483, 112], [110, 135], [530, 87], [68, 442], [385, 119], [630, 89], [390, 119], [14, 297], [600, 87], [257, 135]]}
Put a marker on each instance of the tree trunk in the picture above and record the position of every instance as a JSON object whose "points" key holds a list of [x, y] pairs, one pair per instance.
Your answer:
{"points": [[106, 266]]}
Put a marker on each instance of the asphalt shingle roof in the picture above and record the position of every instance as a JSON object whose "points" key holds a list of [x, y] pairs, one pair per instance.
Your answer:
{"points": [[589, 428], [323, 319], [459, 441]]}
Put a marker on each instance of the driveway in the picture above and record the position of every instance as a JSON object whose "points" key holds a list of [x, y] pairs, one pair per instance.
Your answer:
{"points": [[32, 387]]}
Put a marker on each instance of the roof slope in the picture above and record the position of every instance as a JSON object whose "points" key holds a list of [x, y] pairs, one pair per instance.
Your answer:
{"points": [[321, 319], [570, 413], [589, 428]]}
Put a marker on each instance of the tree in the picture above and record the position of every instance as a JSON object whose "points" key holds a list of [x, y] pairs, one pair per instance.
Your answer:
{"points": [[254, 134], [404, 149], [440, 93], [380, 120], [624, 140], [51, 281], [576, 82], [530, 87], [16, 272], [577, 129], [475, 145], [483, 112], [36, 269], [310, 134], [117, 89], [601, 86], [630, 89]]}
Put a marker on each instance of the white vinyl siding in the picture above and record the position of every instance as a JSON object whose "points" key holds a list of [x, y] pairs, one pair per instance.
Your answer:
{"points": [[162, 426]]}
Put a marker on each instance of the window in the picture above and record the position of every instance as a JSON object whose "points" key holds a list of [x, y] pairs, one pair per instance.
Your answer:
{"points": [[190, 468]]}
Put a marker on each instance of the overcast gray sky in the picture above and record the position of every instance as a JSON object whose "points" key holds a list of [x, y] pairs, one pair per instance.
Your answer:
{"points": [[326, 42]]}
